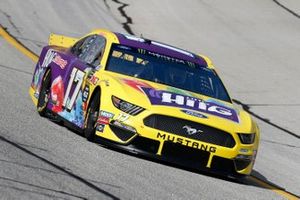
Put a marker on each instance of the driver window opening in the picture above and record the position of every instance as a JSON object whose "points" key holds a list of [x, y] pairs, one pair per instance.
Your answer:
{"points": [[90, 49]]}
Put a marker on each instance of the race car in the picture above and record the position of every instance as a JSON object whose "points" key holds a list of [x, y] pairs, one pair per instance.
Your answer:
{"points": [[147, 97]]}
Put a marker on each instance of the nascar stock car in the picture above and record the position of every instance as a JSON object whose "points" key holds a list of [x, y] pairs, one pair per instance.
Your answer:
{"points": [[145, 96]]}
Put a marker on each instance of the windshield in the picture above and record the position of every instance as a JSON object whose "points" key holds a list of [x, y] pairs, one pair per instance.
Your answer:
{"points": [[155, 67]]}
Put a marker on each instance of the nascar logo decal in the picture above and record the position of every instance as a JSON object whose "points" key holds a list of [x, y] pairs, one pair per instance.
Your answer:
{"points": [[166, 98]]}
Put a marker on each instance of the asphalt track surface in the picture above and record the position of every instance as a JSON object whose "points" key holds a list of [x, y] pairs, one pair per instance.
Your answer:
{"points": [[255, 45]]}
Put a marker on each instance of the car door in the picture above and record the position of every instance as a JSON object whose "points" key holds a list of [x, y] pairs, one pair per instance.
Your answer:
{"points": [[88, 53]]}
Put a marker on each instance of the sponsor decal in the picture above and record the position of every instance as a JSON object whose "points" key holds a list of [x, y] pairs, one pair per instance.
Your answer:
{"points": [[166, 58], [103, 120], [60, 62], [186, 142], [85, 93], [92, 78], [166, 98], [48, 58], [191, 131], [100, 127], [122, 117], [106, 114], [52, 56], [195, 114]]}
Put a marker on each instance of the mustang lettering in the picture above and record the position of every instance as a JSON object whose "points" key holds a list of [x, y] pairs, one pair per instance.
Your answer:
{"points": [[186, 142]]}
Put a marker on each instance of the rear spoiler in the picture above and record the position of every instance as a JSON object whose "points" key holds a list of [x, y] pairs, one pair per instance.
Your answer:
{"points": [[61, 40]]}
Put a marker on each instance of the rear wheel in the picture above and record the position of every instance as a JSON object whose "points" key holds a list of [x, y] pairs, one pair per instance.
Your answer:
{"points": [[92, 116], [44, 94]]}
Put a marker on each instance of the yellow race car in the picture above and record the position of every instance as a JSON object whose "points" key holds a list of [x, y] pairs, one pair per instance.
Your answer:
{"points": [[147, 97]]}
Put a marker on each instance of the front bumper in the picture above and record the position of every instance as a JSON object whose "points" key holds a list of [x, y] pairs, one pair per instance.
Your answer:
{"points": [[130, 133]]}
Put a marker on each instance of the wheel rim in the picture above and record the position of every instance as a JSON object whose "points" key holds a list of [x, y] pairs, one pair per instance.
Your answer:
{"points": [[92, 117]]}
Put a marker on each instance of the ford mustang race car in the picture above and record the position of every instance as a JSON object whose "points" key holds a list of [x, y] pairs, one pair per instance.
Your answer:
{"points": [[147, 97]]}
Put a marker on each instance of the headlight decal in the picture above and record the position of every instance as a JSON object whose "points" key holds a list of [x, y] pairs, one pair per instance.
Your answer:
{"points": [[247, 138], [126, 107]]}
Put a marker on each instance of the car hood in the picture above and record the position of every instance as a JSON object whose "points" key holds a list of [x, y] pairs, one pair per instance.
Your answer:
{"points": [[168, 100]]}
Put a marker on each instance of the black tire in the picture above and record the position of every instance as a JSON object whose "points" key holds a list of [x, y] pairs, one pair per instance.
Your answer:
{"points": [[44, 94], [92, 116]]}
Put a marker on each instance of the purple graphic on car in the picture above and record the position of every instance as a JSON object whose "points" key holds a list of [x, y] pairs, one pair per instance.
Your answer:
{"points": [[166, 98], [65, 68]]}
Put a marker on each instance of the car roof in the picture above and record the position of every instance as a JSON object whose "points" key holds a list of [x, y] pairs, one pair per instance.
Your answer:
{"points": [[161, 48]]}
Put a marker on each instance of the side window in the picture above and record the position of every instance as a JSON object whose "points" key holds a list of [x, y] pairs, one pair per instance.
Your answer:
{"points": [[89, 49]]}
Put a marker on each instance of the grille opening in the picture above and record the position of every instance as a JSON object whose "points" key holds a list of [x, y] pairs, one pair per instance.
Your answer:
{"points": [[241, 164], [122, 134], [223, 165], [185, 155], [145, 144], [175, 125]]}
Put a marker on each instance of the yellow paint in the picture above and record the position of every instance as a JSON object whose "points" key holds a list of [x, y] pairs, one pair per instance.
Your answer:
{"points": [[17, 45], [208, 61], [161, 144], [208, 165], [61, 40], [274, 189], [67, 41], [31, 93]]}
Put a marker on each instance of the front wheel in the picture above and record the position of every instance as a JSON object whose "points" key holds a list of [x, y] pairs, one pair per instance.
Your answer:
{"points": [[44, 94], [92, 116]]}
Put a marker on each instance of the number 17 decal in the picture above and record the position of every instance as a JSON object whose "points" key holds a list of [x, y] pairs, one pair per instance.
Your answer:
{"points": [[76, 77]]}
